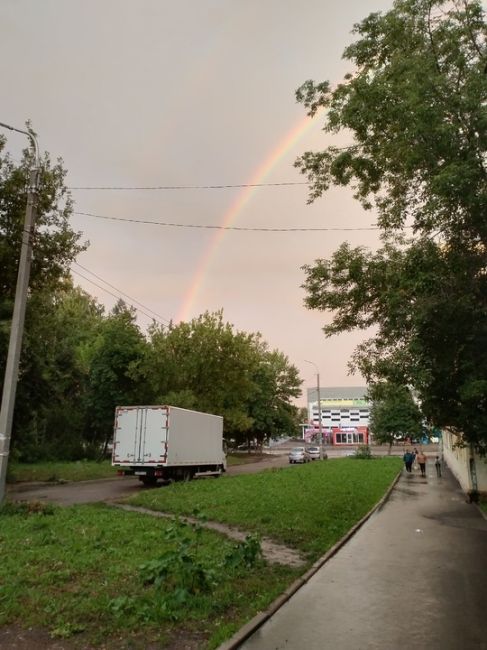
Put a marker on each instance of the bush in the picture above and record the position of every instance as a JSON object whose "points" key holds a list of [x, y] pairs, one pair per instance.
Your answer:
{"points": [[363, 451]]}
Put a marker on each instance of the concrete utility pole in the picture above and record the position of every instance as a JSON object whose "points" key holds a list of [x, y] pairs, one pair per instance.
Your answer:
{"points": [[320, 423], [17, 327]]}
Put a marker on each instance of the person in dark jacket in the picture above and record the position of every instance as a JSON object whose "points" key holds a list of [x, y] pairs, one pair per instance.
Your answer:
{"points": [[408, 460]]}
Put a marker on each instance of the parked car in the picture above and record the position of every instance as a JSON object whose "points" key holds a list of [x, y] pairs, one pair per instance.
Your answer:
{"points": [[299, 455], [314, 453]]}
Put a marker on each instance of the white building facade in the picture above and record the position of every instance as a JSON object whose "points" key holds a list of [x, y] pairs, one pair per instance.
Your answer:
{"points": [[469, 468], [344, 413]]}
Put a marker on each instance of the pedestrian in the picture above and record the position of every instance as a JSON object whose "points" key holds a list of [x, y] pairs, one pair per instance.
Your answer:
{"points": [[421, 458], [408, 460], [414, 453], [438, 466]]}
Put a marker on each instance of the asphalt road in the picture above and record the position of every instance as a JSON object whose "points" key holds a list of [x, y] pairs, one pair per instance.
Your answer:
{"points": [[112, 489]]}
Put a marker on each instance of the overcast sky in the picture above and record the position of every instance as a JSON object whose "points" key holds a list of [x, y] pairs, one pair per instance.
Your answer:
{"points": [[141, 93]]}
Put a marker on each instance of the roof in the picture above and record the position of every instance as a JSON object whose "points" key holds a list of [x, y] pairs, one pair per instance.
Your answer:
{"points": [[337, 393]]}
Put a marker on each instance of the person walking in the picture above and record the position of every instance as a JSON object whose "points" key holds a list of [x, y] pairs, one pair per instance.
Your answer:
{"points": [[438, 467], [421, 459], [408, 460], [414, 453]]}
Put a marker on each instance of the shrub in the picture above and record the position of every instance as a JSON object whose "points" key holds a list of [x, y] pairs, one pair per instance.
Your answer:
{"points": [[363, 451]]}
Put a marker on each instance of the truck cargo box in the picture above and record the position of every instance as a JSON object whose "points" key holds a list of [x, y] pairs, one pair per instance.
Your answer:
{"points": [[167, 442]]}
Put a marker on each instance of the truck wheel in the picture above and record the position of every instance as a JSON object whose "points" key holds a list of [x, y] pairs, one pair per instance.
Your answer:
{"points": [[149, 480]]}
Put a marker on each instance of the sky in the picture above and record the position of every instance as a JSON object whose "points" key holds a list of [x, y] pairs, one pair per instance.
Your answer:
{"points": [[151, 93]]}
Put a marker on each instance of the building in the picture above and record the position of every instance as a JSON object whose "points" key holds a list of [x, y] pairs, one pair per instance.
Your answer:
{"points": [[469, 467], [344, 414]]}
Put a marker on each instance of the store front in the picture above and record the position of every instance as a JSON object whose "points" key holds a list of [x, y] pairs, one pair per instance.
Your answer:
{"points": [[351, 436]]}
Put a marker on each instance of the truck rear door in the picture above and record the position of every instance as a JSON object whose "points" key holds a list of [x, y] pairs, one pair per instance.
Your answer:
{"points": [[140, 435]]}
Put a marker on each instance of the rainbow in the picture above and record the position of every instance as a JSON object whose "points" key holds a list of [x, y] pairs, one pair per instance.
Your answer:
{"points": [[289, 140]]}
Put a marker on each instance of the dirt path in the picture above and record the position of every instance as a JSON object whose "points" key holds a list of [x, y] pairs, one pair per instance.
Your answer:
{"points": [[272, 551]]}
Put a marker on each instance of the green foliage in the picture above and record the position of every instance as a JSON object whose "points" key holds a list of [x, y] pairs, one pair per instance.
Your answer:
{"points": [[363, 452], [55, 245], [308, 507], [416, 108], [50, 398], [78, 364], [394, 413], [27, 508], [77, 572], [208, 366], [183, 571], [180, 572], [81, 470], [245, 554], [117, 350]]}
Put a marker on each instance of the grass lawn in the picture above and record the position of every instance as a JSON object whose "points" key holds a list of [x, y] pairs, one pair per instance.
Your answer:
{"points": [[101, 577], [77, 571], [84, 470], [308, 507], [81, 470]]}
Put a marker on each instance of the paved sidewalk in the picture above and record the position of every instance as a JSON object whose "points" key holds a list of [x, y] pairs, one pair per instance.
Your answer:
{"points": [[413, 577]]}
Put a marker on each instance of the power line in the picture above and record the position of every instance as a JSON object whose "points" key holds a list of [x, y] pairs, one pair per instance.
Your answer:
{"points": [[120, 291], [114, 295], [184, 187], [210, 227]]}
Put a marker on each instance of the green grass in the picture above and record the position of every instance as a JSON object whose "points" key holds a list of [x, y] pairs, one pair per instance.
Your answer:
{"points": [[308, 507], [77, 572], [82, 470]]}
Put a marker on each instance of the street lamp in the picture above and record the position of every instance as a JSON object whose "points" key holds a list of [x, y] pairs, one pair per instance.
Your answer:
{"points": [[320, 424], [18, 316]]}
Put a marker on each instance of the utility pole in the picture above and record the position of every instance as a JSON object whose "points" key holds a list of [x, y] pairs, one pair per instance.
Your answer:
{"points": [[18, 317], [320, 423]]}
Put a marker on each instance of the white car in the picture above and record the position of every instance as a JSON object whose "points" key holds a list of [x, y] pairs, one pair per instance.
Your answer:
{"points": [[299, 455], [314, 453]]}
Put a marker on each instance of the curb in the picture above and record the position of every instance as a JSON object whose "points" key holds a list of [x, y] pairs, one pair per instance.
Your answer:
{"points": [[259, 619]]}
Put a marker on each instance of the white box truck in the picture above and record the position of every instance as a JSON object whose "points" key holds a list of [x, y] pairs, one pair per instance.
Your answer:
{"points": [[167, 443]]}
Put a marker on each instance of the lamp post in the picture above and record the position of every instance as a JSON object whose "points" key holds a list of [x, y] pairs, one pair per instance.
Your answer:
{"points": [[18, 316], [320, 424]]}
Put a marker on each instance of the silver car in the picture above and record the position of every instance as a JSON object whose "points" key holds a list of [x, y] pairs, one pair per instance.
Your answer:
{"points": [[314, 453], [299, 455]]}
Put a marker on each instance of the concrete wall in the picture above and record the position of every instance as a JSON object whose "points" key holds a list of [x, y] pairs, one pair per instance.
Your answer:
{"points": [[458, 460]]}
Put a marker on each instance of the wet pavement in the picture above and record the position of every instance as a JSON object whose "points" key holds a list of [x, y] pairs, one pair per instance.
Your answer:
{"points": [[414, 576]]}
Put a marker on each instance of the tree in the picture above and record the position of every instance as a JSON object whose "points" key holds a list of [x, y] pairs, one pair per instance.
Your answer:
{"points": [[55, 245], [277, 382], [208, 366], [52, 387], [393, 412], [416, 107], [113, 357]]}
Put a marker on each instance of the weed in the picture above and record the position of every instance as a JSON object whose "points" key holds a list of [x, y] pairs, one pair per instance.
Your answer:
{"points": [[66, 630], [245, 554], [27, 508], [363, 452]]}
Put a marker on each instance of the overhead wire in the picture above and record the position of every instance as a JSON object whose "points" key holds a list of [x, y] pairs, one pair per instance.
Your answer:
{"points": [[183, 187], [219, 227], [121, 292], [116, 296]]}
